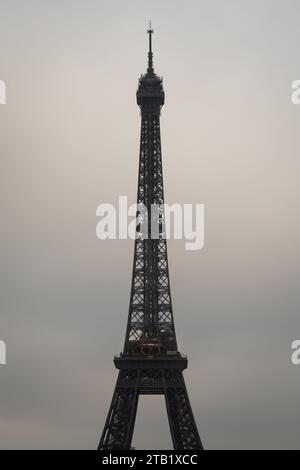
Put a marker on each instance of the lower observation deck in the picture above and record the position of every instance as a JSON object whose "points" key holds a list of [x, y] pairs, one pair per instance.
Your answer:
{"points": [[150, 375], [164, 361]]}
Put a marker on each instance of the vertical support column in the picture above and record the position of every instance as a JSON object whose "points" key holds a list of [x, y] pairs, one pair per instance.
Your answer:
{"points": [[182, 423], [119, 426]]}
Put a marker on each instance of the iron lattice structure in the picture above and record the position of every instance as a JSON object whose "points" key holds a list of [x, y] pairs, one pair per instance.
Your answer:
{"points": [[150, 362]]}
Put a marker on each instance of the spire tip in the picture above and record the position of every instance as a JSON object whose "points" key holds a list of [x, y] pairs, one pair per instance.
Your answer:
{"points": [[150, 30], [150, 54]]}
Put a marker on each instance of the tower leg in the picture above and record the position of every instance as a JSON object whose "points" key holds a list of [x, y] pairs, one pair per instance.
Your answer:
{"points": [[181, 419], [119, 426]]}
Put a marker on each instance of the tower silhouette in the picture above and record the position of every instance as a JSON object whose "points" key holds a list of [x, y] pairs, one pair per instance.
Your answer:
{"points": [[150, 362]]}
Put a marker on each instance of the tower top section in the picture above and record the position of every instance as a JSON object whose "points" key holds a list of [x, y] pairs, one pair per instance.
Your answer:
{"points": [[150, 94]]}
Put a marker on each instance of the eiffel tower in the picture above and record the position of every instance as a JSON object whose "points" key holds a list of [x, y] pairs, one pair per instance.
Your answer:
{"points": [[150, 362]]}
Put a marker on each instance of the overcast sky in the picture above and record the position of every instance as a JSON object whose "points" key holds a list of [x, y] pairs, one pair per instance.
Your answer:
{"points": [[69, 140]]}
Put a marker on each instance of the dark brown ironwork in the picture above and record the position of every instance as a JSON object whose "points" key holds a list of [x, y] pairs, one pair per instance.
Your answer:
{"points": [[150, 362]]}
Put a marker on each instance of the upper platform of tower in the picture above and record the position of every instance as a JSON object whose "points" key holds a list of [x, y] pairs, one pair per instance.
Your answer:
{"points": [[150, 94]]}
